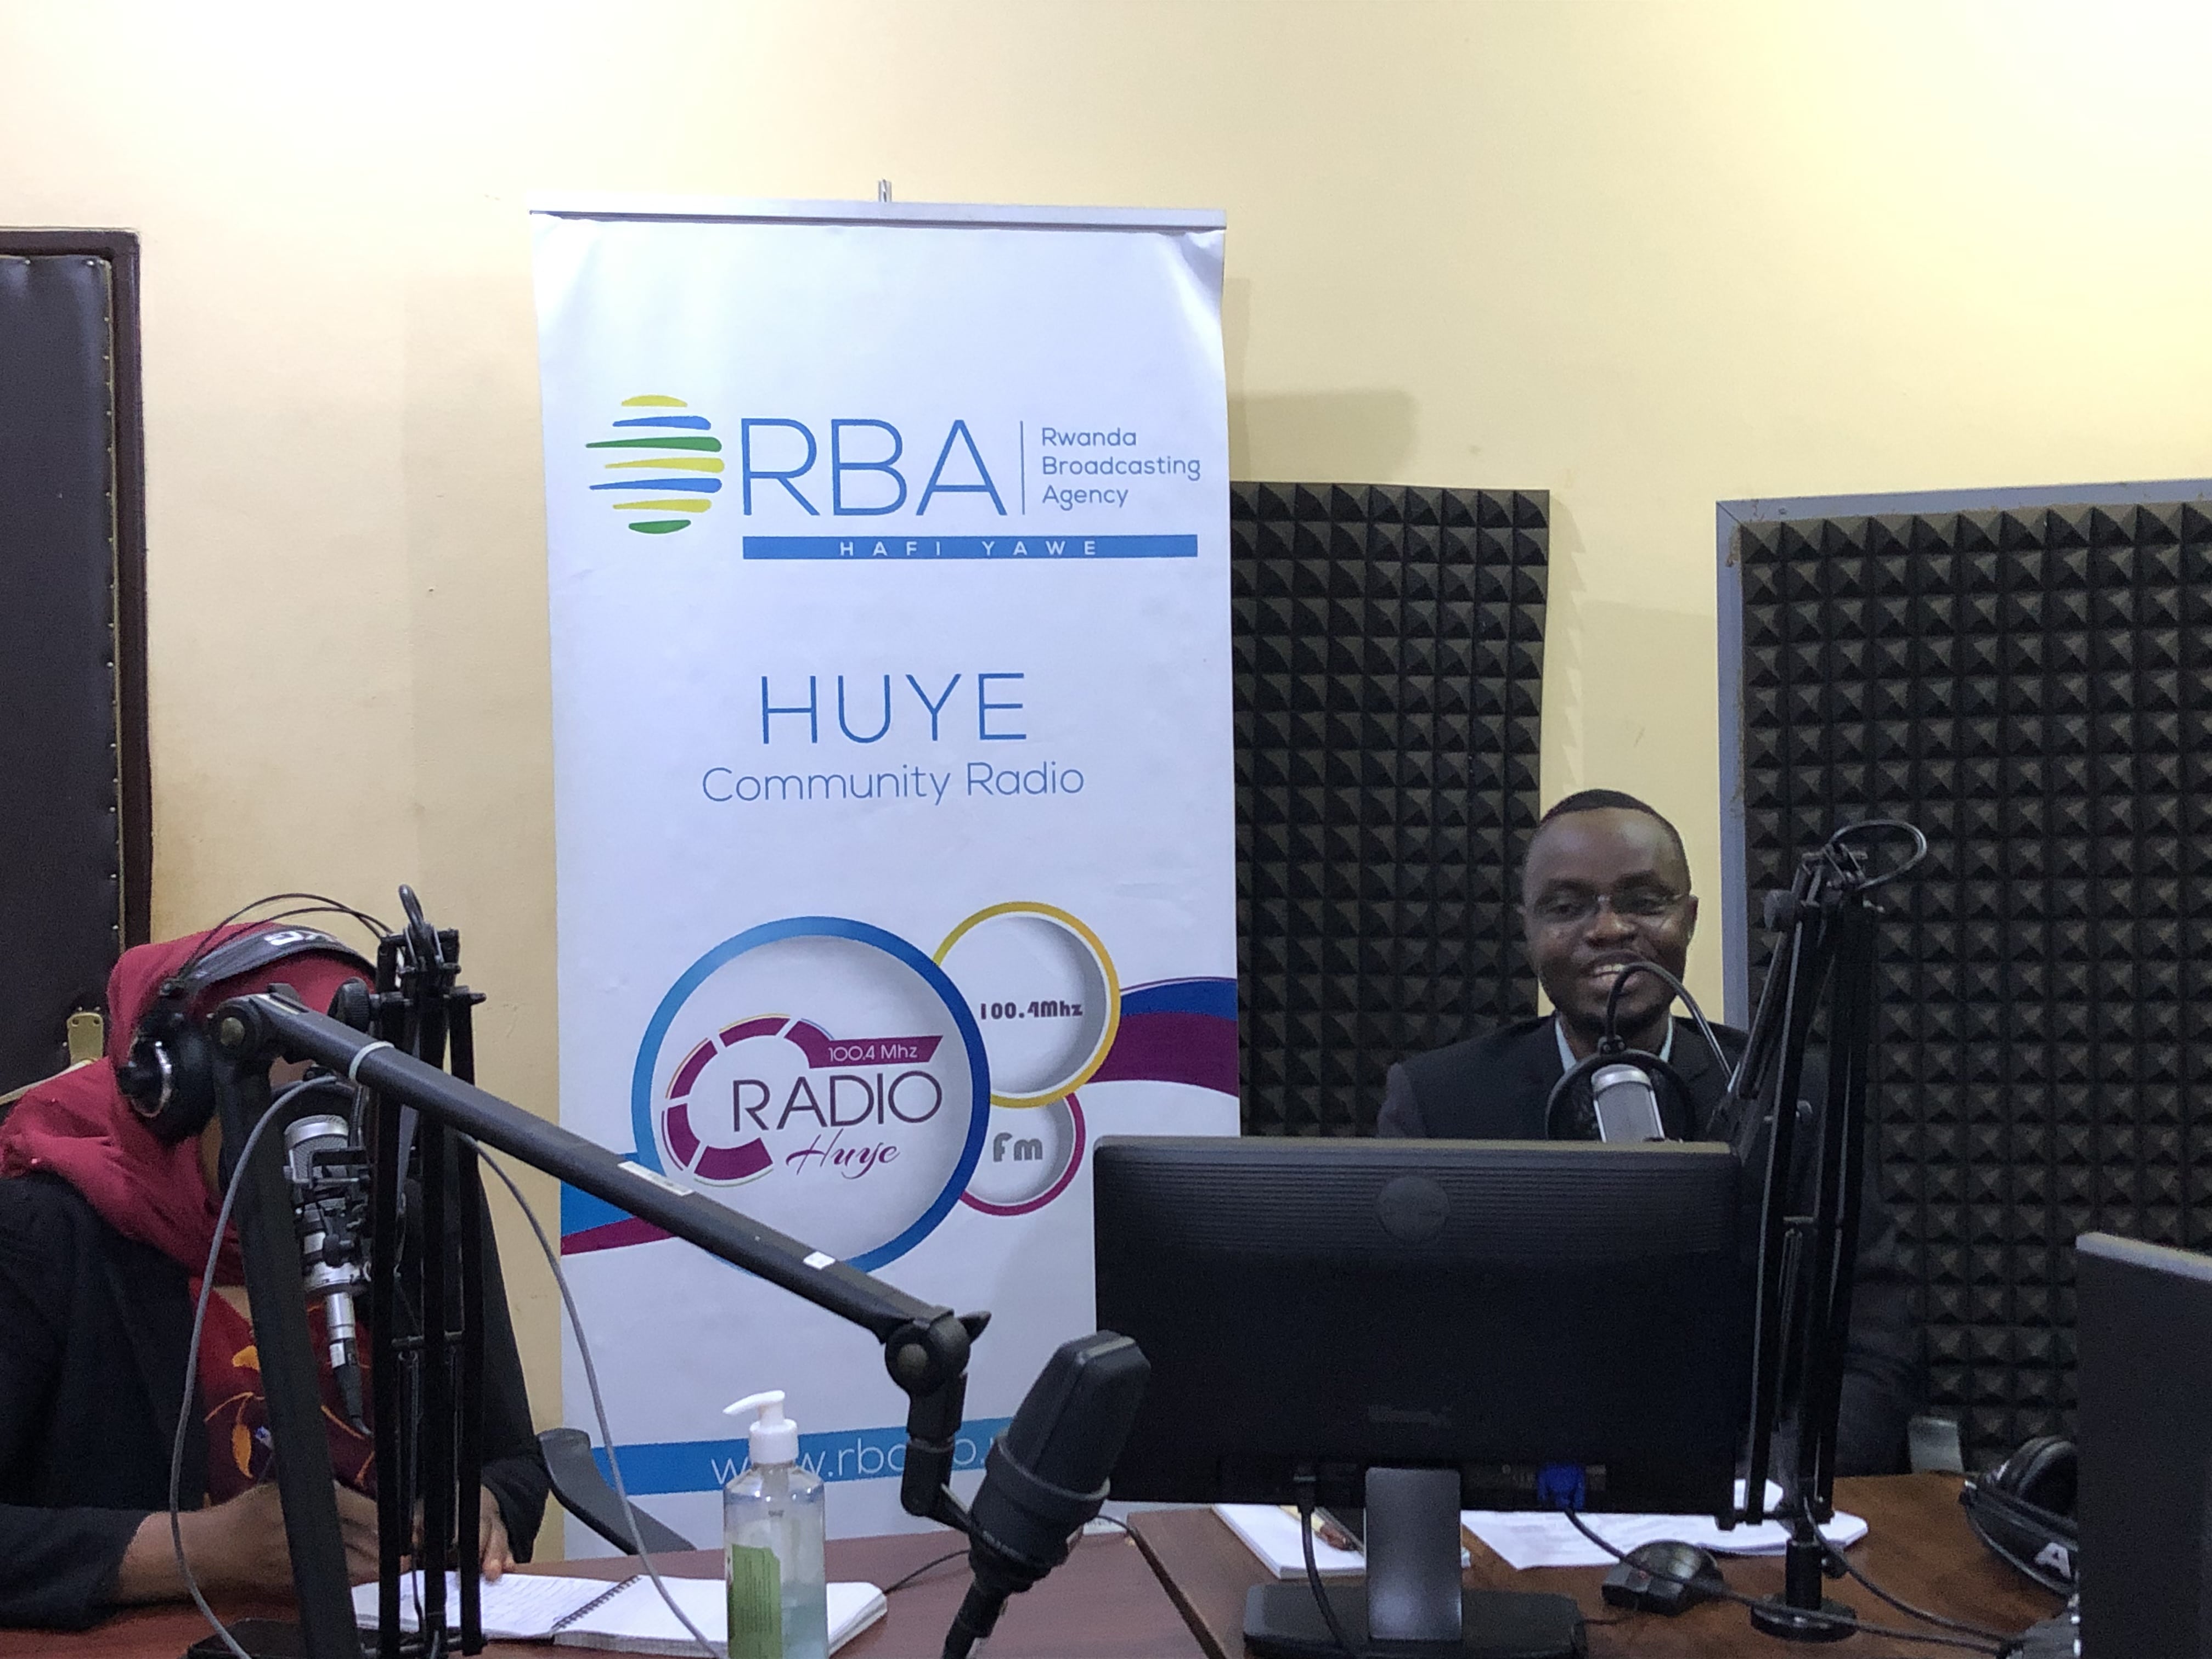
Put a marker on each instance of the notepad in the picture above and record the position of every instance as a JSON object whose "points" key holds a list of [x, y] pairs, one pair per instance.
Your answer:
{"points": [[1273, 1536], [627, 1616]]}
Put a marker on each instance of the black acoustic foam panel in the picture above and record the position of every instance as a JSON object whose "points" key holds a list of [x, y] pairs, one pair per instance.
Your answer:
{"points": [[1389, 654], [74, 839], [2034, 689]]}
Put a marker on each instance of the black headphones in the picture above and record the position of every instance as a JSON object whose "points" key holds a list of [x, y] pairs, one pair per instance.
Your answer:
{"points": [[2023, 1509], [169, 1079]]}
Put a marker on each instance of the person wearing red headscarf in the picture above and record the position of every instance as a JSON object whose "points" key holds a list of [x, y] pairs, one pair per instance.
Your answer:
{"points": [[105, 1230]]}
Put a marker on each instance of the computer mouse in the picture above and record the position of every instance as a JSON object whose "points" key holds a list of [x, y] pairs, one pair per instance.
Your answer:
{"points": [[1664, 1576]]}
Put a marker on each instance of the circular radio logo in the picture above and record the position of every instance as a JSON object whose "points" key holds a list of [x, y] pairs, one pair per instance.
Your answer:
{"points": [[827, 1076]]}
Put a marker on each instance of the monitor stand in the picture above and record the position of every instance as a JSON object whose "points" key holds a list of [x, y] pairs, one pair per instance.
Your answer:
{"points": [[1411, 1606]]}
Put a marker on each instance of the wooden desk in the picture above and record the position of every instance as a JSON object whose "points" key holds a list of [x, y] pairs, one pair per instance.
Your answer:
{"points": [[1917, 1546], [1104, 1603]]}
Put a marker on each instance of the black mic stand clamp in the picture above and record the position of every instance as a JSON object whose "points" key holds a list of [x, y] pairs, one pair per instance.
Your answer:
{"points": [[1827, 920]]}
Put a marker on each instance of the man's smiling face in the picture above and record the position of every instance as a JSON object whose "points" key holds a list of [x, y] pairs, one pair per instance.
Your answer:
{"points": [[1602, 888]]}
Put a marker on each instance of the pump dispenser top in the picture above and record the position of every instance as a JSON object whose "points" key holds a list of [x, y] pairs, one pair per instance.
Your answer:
{"points": [[774, 1436]]}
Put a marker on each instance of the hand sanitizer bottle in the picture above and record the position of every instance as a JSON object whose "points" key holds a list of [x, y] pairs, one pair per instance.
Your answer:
{"points": [[772, 1530]]}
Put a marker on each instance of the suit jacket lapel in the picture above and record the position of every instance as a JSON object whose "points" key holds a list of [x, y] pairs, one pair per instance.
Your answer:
{"points": [[1700, 1074], [1535, 1068]]}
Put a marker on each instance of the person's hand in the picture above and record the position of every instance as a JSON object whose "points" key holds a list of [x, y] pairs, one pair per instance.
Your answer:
{"points": [[357, 1523], [237, 1547], [495, 1555]]}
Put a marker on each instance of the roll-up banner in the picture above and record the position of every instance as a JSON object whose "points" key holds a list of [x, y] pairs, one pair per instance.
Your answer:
{"points": [[893, 796]]}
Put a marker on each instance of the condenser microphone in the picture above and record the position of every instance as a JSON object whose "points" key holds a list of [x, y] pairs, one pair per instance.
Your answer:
{"points": [[1048, 1473], [1626, 1105], [327, 1172]]}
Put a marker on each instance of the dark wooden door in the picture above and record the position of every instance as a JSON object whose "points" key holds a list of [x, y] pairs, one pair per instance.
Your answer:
{"points": [[76, 839]]}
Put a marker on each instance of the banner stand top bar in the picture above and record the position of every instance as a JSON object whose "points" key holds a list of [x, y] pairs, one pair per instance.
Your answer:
{"points": [[738, 210]]}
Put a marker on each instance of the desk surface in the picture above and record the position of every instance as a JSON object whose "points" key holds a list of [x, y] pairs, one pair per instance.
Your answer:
{"points": [[1917, 1546], [1105, 1603]]}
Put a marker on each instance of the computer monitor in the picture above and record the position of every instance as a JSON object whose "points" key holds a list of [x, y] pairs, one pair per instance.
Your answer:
{"points": [[1529, 1323], [2143, 1437]]}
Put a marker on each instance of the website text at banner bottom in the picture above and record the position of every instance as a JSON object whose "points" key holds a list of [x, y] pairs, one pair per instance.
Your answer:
{"points": [[971, 547], [650, 1469]]}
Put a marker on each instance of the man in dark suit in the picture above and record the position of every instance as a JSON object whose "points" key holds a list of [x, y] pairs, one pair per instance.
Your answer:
{"points": [[1606, 883]]}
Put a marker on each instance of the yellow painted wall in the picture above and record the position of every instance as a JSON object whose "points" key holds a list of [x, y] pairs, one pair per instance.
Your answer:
{"points": [[1645, 255]]}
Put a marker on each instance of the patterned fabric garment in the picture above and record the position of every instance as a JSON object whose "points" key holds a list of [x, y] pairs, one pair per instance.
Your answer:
{"points": [[237, 1412]]}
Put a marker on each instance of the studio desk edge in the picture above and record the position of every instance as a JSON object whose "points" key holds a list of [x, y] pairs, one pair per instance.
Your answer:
{"points": [[1103, 1603], [1106, 1603], [1917, 1547]]}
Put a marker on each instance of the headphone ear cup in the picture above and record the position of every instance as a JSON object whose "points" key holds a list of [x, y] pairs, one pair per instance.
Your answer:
{"points": [[169, 1079], [2023, 1509], [192, 1098], [2043, 1472]]}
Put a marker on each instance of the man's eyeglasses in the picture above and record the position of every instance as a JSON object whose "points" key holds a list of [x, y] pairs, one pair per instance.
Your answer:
{"points": [[1571, 906]]}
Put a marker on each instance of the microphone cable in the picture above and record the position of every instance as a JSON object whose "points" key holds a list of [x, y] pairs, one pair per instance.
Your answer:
{"points": [[1305, 1483], [192, 1360], [1843, 837], [1850, 1568], [1641, 965], [1559, 1115], [707, 1649]]}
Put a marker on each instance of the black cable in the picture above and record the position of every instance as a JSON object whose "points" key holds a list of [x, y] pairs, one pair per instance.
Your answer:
{"points": [[1143, 1548], [949, 1555], [1304, 1483], [1846, 1565], [1642, 966], [1998, 1647], [191, 1401], [1843, 836], [599, 1403]]}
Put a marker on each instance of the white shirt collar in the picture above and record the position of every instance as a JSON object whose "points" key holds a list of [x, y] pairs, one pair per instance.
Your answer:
{"points": [[1567, 1061]]}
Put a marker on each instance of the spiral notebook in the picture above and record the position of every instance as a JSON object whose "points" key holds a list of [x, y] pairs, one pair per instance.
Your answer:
{"points": [[626, 1616]]}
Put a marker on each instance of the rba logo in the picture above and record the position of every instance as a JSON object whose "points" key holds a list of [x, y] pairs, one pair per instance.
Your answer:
{"points": [[664, 466], [771, 1093], [854, 1124]]}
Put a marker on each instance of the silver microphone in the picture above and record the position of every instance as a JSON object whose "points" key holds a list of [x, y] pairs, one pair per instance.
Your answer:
{"points": [[1627, 1109], [327, 1171]]}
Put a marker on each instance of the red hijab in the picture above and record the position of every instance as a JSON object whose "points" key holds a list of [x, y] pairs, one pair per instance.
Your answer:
{"points": [[79, 1127]]}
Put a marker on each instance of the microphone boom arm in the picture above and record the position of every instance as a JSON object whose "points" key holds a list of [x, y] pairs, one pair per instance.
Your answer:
{"points": [[1827, 921], [925, 1347]]}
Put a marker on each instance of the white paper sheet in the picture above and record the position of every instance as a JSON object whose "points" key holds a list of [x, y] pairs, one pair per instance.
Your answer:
{"points": [[639, 1621], [527, 1606], [1535, 1538], [518, 1608]]}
